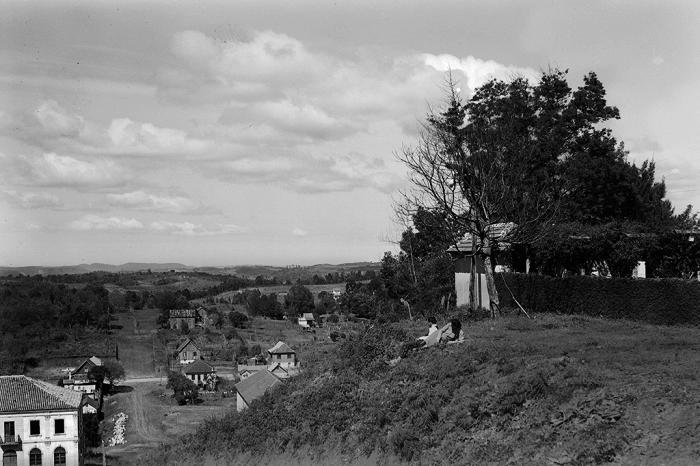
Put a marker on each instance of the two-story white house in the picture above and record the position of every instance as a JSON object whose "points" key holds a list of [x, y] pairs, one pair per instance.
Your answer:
{"points": [[41, 423]]}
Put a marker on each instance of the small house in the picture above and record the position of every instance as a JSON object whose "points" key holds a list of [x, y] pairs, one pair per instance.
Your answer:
{"points": [[284, 355], [187, 352], [200, 372], [254, 387], [41, 423], [307, 320], [469, 264]]}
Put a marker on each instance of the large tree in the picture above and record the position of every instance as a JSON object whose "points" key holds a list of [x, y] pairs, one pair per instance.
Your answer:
{"points": [[531, 156]]}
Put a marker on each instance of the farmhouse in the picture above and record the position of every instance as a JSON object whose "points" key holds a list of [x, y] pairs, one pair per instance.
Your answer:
{"points": [[307, 320], [79, 379], [253, 388], [41, 423], [185, 317], [187, 352], [200, 372]]}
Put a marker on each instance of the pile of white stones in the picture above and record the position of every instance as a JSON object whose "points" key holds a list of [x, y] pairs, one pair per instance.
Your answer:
{"points": [[118, 437]]}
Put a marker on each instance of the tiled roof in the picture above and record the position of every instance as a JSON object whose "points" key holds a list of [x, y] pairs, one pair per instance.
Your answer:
{"points": [[281, 347], [198, 367], [496, 232], [19, 393], [184, 344], [256, 385], [308, 316]]}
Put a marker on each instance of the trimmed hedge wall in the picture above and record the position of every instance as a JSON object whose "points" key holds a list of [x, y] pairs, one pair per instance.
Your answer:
{"points": [[658, 301]]}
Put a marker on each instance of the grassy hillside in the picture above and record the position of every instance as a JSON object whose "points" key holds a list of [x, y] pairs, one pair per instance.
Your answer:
{"points": [[557, 390]]}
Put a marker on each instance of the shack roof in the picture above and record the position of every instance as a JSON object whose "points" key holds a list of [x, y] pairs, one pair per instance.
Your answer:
{"points": [[255, 386], [19, 393], [498, 232], [281, 348]]}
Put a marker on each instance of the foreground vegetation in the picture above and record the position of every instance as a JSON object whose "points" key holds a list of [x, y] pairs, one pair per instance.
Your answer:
{"points": [[559, 390]]}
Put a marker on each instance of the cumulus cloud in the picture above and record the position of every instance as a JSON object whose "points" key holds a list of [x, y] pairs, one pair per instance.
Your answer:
{"points": [[299, 232], [96, 222], [196, 229], [142, 200], [29, 200], [52, 127], [477, 71], [51, 169]]}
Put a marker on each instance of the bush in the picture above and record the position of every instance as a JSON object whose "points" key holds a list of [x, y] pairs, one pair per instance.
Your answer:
{"points": [[665, 301]]}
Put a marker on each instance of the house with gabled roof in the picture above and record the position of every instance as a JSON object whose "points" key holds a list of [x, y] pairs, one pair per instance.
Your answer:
{"points": [[187, 352], [254, 387], [79, 378], [200, 372], [41, 423]]}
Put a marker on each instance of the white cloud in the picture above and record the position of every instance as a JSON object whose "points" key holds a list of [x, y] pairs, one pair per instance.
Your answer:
{"points": [[29, 200], [51, 169], [96, 222], [192, 229], [299, 232], [141, 200], [657, 60], [477, 71]]}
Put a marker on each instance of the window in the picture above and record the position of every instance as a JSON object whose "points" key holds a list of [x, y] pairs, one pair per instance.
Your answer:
{"points": [[35, 457], [34, 428], [59, 456], [194, 354], [59, 426], [9, 430], [9, 458]]}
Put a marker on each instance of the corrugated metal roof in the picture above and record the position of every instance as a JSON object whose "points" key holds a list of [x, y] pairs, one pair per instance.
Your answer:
{"points": [[255, 386], [20, 393], [280, 347], [183, 313], [495, 232]]}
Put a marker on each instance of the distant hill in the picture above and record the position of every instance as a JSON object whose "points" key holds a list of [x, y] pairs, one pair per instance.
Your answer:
{"points": [[242, 270]]}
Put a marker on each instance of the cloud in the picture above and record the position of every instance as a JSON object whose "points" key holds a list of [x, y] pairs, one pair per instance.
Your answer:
{"points": [[96, 222], [299, 232], [142, 200], [477, 71], [657, 60], [51, 169], [52, 127], [192, 229], [28, 200], [307, 173]]}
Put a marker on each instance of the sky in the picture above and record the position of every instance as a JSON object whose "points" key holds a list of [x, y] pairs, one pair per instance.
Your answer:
{"points": [[266, 132]]}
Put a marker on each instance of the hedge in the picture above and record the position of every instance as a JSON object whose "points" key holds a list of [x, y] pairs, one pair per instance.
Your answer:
{"points": [[665, 301]]}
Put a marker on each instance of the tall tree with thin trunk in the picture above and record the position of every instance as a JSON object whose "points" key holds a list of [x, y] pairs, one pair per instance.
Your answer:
{"points": [[482, 174]]}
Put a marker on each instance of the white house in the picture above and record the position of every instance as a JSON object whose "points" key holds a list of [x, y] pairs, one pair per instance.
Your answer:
{"points": [[306, 320], [41, 423]]}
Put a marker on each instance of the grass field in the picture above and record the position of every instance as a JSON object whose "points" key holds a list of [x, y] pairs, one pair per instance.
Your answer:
{"points": [[555, 390]]}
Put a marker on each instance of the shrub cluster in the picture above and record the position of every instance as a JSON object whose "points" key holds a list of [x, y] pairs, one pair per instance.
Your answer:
{"points": [[657, 301]]}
